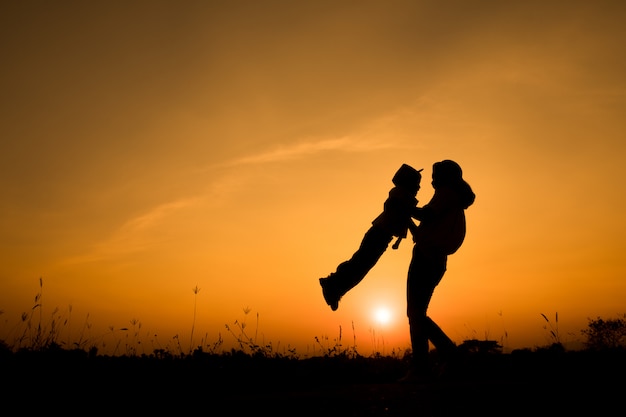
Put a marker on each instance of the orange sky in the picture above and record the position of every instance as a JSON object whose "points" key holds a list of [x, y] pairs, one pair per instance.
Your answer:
{"points": [[245, 147]]}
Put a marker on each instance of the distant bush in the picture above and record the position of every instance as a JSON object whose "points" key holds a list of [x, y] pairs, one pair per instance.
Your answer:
{"points": [[605, 334], [480, 346]]}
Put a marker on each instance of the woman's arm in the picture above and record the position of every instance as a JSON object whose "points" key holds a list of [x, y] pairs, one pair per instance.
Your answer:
{"points": [[413, 229], [421, 213]]}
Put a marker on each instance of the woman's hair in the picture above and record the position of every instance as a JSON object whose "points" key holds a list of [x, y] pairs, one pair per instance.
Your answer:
{"points": [[449, 173]]}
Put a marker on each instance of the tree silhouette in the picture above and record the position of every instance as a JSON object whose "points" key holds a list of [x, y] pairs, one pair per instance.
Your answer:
{"points": [[605, 334]]}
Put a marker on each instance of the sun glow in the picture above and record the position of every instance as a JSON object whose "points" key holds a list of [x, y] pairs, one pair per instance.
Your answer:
{"points": [[382, 315]]}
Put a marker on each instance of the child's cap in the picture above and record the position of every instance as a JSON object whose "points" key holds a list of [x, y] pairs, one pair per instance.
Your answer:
{"points": [[407, 176]]}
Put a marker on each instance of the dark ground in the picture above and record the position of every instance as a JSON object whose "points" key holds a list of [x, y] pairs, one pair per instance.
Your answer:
{"points": [[516, 384]]}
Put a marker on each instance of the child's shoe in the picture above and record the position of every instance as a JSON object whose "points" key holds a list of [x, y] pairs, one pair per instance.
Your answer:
{"points": [[331, 295]]}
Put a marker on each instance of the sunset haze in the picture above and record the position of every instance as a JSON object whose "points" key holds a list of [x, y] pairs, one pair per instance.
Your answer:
{"points": [[244, 148]]}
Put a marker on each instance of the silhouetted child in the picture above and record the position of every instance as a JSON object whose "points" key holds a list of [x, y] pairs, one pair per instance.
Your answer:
{"points": [[392, 222]]}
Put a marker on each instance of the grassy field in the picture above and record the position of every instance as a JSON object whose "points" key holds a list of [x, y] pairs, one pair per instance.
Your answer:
{"points": [[43, 373], [526, 383]]}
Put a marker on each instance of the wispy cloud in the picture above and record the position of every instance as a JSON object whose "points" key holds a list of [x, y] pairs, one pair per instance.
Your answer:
{"points": [[133, 236], [154, 215], [303, 149]]}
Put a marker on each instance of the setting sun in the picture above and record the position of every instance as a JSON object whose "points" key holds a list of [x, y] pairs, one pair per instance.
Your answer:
{"points": [[382, 315]]}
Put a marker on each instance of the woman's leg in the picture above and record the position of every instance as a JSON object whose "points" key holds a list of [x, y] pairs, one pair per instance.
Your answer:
{"points": [[444, 345], [425, 273]]}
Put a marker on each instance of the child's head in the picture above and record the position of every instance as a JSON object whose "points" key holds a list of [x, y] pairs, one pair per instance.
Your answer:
{"points": [[408, 177]]}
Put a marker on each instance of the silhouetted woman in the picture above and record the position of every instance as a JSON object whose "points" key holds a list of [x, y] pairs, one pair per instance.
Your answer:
{"points": [[440, 233]]}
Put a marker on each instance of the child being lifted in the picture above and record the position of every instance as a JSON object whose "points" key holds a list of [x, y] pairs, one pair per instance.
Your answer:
{"points": [[393, 222]]}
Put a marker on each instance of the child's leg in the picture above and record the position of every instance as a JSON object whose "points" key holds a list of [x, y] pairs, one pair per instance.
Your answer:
{"points": [[350, 273]]}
